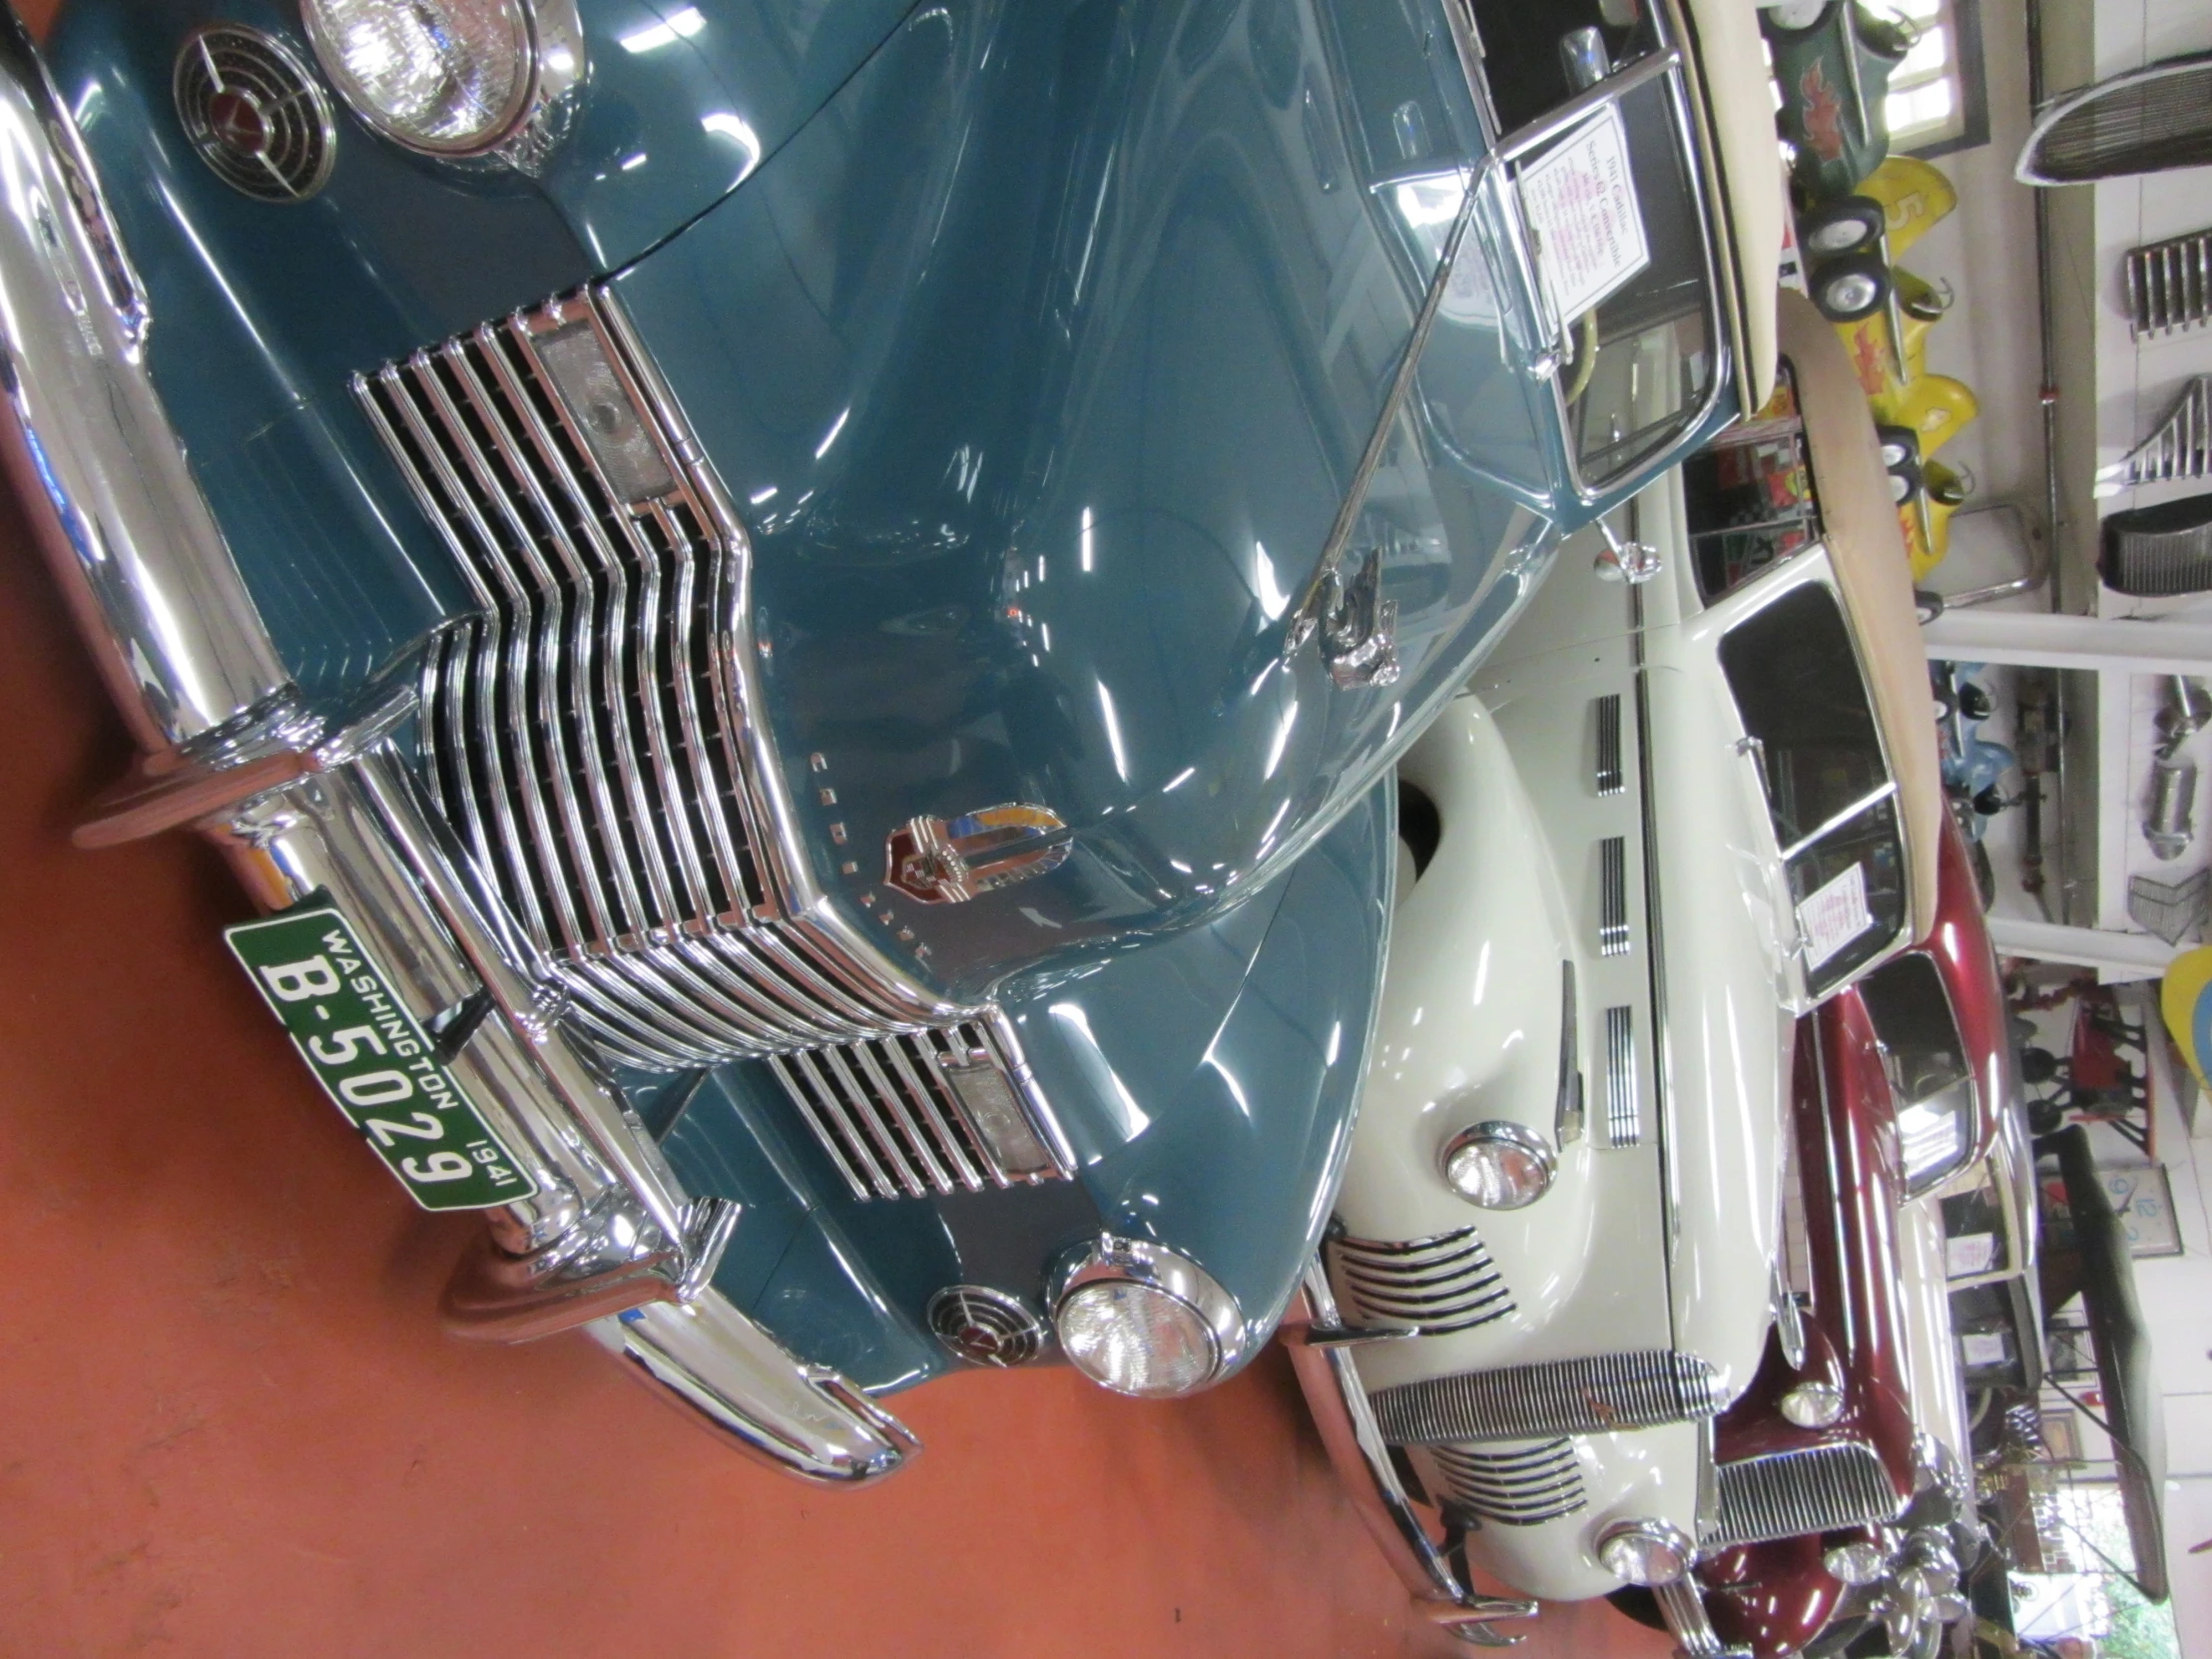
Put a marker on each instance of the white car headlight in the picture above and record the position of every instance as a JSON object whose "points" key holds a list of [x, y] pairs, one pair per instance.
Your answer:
{"points": [[1935, 1135], [1140, 1319], [1499, 1165], [446, 77]]}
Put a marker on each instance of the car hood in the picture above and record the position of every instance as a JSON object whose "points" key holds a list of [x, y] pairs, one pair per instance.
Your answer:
{"points": [[684, 98], [1038, 436]]}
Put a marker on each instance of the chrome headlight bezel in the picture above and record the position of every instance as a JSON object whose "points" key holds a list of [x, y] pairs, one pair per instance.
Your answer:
{"points": [[546, 53], [1498, 1165], [1648, 1552], [1816, 1403], [1155, 1270]]}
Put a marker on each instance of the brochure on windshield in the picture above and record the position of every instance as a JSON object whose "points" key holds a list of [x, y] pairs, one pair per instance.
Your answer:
{"points": [[1581, 200]]}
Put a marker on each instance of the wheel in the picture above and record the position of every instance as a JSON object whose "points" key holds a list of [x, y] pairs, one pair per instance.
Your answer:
{"points": [[1974, 701], [1851, 287], [1899, 444], [1836, 227], [1929, 605]]}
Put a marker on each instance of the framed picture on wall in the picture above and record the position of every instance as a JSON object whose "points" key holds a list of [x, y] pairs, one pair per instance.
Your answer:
{"points": [[2144, 1197]]}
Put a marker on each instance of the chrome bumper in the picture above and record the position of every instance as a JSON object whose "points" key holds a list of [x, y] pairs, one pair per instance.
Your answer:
{"points": [[1319, 1347], [312, 801]]}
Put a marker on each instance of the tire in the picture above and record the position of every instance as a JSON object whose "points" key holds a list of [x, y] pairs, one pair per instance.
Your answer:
{"points": [[1834, 228], [1928, 604], [1851, 287], [1899, 445], [1974, 701]]}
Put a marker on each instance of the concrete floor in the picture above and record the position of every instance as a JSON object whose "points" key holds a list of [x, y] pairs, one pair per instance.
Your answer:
{"points": [[230, 1425]]}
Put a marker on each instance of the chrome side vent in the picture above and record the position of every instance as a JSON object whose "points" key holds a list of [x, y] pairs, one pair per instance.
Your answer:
{"points": [[1595, 1395], [928, 1112], [1611, 779], [1428, 1286], [256, 113], [1522, 1486], [1612, 896], [1814, 1490], [1624, 1112]]}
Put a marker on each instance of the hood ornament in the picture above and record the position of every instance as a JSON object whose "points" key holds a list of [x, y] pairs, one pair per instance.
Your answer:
{"points": [[950, 863], [1356, 626]]}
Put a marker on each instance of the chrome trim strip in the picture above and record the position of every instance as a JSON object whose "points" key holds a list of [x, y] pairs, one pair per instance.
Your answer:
{"points": [[1567, 1110], [1612, 896], [1624, 1112]]}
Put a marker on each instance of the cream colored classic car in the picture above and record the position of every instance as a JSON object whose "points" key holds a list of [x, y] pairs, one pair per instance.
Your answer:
{"points": [[1693, 792]]}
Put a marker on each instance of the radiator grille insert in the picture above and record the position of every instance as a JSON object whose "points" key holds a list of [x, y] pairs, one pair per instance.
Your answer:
{"points": [[1522, 1486], [581, 731], [1814, 1490], [1433, 1285], [1565, 1396]]}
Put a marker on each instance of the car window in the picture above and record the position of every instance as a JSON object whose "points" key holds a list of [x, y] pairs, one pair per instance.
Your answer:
{"points": [[1930, 1081], [1795, 677], [1750, 495], [1975, 1241]]}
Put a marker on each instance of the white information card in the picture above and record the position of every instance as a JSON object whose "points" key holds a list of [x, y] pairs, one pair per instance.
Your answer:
{"points": [[1581, 200]]}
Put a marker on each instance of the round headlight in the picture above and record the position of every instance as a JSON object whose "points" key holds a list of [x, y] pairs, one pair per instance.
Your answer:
{"points": [[1143, 1321], [1646, 1552], [1813, 1404], [1857, 1562], [448, 76], [1499, 1165]]}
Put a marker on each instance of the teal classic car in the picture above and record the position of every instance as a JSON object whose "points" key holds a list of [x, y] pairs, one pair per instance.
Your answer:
{"points": [[799, 616]]}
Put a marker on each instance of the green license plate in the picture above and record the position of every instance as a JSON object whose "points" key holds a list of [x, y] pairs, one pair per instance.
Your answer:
{"points": [[379, 1065]]}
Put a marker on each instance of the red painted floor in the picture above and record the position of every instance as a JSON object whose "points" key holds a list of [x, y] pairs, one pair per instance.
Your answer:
{"points": [[230, 1425]]}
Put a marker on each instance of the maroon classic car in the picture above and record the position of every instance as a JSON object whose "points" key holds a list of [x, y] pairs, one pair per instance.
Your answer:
{"points": [[1827, 1499]]}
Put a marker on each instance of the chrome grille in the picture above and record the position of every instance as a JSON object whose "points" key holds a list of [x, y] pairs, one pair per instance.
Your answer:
{"points": [[938, 1111], [582, 732], [1432, 1285], [1624, 1113], [1518, 1488], [1791, 1492], [1612, 896], [1610, 778], [1565, 1396]]}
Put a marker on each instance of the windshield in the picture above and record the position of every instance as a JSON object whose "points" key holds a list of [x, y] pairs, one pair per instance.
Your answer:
{"points": [[1808, 722]]}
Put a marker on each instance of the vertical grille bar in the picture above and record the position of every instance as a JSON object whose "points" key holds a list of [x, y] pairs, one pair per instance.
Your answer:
{"points": [[1624, 1114], [1612, 896]]}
